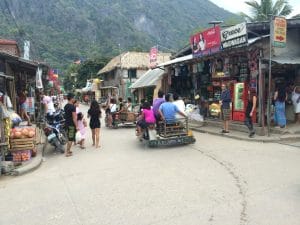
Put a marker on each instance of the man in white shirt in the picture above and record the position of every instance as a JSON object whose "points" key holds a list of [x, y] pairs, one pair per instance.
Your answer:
{"points": [[180, 105], [112, 111], [49, 105]]}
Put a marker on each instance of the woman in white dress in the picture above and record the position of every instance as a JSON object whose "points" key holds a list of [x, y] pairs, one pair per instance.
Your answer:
{"points": [[296, 103]]}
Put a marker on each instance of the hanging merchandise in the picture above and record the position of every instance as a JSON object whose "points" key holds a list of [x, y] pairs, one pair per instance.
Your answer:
{"points": [[226, 67], [195, 68], [253, 65], [50, 83], [6, 100], [38, 78], [177, 70], [169, 79], [3, 111], [183, 70], [200, 66]]}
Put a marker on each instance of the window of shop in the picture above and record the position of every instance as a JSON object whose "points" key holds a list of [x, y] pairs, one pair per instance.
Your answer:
{"points": [[132, 74]]}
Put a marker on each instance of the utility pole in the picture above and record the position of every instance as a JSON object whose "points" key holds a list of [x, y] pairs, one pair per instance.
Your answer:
{"points": [[121, 74], [270, 78]]}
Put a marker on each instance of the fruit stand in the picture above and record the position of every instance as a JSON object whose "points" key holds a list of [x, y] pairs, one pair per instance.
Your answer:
{"points": [[17, 143], [22, 143]]}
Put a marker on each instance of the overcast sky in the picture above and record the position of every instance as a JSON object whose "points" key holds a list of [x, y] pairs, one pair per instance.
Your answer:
{"points": [[239, 5]]}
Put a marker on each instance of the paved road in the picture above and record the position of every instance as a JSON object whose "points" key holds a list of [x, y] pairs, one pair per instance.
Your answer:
{"points": [[215, 181]]}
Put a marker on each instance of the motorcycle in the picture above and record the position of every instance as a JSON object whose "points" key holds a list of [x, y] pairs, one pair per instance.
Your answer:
{"points": [[55, 131]]}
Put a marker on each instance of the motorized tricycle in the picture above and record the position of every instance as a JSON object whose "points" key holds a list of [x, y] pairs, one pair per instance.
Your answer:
{"points": [[168, 134], [125, 119]]}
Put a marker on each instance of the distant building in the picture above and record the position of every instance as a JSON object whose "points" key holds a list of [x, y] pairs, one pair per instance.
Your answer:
{"points": [[125, 69]]}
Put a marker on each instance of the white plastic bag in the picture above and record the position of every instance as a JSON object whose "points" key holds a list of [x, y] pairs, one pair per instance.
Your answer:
{"points": [[78, 137]]}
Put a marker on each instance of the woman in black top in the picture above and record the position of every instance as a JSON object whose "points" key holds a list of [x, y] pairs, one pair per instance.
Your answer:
{"points": [[95, 114], [250, 110]]}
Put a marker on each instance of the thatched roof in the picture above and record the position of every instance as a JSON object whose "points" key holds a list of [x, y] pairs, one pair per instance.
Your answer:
{"points": [[133, 60]]}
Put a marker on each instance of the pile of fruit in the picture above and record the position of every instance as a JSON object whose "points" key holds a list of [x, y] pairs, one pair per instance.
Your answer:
{"points": [[20, 156], [21, 133], [22, 142]]}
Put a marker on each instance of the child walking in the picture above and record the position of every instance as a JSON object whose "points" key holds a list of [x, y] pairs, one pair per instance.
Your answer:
{"points": [[82, 129]]}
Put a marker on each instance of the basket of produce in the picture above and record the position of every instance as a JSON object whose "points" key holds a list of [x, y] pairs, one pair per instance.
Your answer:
{"points": [[22, 138], [21, 156]]}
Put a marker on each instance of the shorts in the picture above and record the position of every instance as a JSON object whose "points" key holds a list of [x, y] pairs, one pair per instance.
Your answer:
{"points": [[95, 124], [226, 114], [23, 106], [71, 132]]}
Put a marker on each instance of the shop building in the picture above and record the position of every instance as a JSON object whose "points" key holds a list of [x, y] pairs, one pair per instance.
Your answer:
{"points": [[242, 62], [123, 70], [18, 75], [148, 84]]}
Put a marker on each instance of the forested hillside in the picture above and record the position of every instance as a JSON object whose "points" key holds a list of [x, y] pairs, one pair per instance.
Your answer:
{"points": [[61, 31]]}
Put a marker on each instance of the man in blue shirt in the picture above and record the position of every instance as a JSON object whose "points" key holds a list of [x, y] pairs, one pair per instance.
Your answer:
{"points": [[168, 110]]}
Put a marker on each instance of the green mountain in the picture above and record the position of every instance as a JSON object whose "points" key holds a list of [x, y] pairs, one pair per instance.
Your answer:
{"points": [[61, 31]]}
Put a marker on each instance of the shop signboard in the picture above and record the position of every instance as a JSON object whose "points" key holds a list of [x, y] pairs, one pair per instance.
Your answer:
{"points": [[279, 32], [206, 42], [153, 57], [234, 36]]}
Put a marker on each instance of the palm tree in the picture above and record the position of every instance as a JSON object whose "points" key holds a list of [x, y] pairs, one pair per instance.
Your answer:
{"points": [[262, 11]]}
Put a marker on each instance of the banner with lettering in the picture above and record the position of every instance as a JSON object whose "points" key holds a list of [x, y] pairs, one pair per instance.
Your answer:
{"points": [[279, 32], [206, 42], [234, 36], [153, 57]]}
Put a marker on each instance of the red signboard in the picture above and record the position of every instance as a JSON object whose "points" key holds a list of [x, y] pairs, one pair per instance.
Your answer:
{"points": [[153, 57], [206, 42]]}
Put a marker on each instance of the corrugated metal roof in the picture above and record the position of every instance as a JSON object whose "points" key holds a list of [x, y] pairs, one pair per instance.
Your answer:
{"points": [[177, 60], [286, 60], [148, 79]]}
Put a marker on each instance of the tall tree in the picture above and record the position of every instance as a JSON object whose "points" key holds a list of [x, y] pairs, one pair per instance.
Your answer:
{"points": [[262, 11]]}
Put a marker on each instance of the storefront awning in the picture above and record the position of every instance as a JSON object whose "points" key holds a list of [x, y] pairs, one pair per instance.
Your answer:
{"points": [[6, 76], [280, 60], [254, 40], [177, 60], [291, 57], [148, 79]]}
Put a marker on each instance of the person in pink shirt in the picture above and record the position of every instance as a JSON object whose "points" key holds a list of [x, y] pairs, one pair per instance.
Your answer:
{"points": [[82, 128], [147, 118]]}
